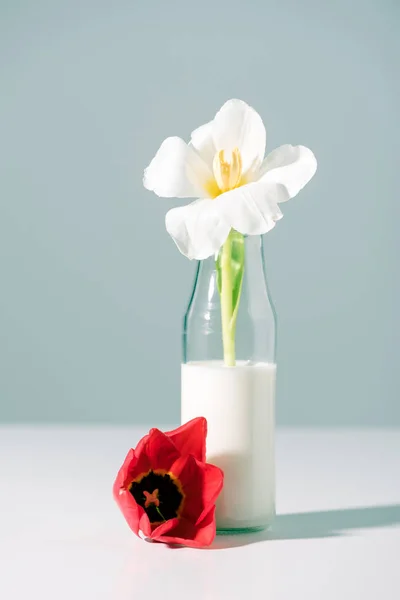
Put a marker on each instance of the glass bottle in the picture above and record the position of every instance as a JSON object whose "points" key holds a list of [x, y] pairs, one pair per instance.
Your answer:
{"points": [[228, 376]]}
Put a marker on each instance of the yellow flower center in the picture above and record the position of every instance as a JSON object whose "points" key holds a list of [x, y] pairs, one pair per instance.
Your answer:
{"points": [[228, 174]]}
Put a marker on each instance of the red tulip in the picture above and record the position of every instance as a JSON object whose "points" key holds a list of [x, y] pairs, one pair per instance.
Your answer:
{"points": [[166, 490]]}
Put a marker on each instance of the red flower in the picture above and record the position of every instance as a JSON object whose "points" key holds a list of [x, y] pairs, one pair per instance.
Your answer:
{"points": [[166, 490]]}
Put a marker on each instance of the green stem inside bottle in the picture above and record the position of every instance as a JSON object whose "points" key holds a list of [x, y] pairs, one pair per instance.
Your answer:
{"points": [[230, 269]]}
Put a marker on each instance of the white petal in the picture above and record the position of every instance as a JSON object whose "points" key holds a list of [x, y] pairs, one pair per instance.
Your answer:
{"points": [[292, 166], [237, 125], [252, 209], [177, 171], [202, 140], [197, 229]]}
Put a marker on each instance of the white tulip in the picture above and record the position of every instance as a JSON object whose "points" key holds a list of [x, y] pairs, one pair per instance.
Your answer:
{"points": [[235, 187]]}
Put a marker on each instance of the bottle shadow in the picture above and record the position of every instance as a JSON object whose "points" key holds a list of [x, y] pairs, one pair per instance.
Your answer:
{"points": [[320, 524]]}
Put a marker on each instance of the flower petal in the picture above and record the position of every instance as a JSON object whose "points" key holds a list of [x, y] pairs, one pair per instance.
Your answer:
{"points": [[190, 438], [197, 229], [291, 166], [202, 140], [160, 450], [162, 529], [132, 512], [252, 209], [134, 464], [124, 474], [201, 483], [182, 531], [144, 523], [140, 445], [177, 171], [237, 125]]}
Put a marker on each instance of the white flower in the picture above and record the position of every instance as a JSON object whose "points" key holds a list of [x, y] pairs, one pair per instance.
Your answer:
{"points": [[224, 166]]}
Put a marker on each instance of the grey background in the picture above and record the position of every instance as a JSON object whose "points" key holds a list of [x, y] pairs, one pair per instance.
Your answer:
{"points": [[92, 288]]}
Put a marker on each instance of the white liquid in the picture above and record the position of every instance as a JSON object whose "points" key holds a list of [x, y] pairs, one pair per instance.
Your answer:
{"points": [[239, 405]]}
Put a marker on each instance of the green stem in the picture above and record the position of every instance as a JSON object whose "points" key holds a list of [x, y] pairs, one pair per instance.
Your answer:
{"points": [[228, 324], [160, 513]]}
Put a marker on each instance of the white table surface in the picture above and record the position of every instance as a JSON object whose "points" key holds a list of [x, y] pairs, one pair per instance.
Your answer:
{"points": [[336, 537]]}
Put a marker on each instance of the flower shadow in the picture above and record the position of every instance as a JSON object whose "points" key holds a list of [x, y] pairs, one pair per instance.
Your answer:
{"points": [[319, 524]]}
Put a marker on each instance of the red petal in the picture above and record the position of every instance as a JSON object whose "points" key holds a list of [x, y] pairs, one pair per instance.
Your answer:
{"points": [[127, 504], [184, 532], [190, 438], [130, 509], [201, 483], [140, 445], [213, 484], [122, 476], [144, 524], [164, 528], [160, 450]]}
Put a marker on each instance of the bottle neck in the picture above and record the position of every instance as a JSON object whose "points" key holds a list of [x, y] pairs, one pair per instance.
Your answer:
{"points": [[234, 326], [254, 292], [254, 260]]}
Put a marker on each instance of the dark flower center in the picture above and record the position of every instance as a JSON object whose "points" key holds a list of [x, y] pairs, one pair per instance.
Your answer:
{"points": [[159, 494]]}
